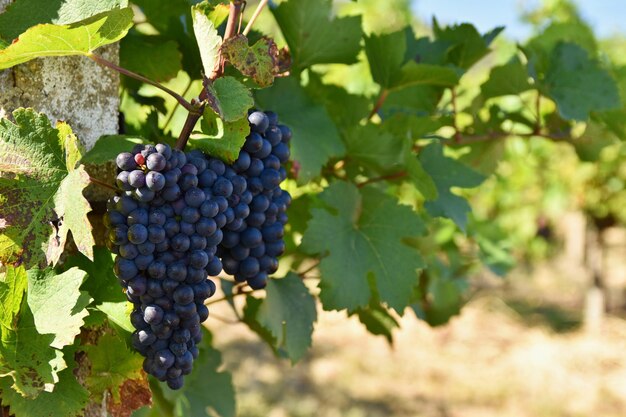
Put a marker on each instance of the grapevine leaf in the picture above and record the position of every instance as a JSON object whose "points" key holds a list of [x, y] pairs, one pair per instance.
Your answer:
{"points": [[25, 355], [259, 61], [313, 37], [315, 137], [112, 364], [288, 312], [250, 317], [40, 191], [101, 283], [207, 392], [23, 14], [229, 99], [374, 148], [57, 304], [426, 74], [578, 84], [80, 38], [386, 54], [363, 240], [590, 145], [151, 56], [465, 45], [109, 146], [226, 143], [510, 78], [447, 173], [118, 313], [209, 41], [68, 399], [378, 321], [445, 295]]}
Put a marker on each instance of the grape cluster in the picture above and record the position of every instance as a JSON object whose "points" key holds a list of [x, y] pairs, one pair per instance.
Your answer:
{"points": [[165, 228], [250, 251], [177, 214]]}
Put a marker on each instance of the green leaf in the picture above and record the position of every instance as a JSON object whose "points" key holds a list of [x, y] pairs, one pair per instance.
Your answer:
{"points": [[68, 399], [374, 148], [251, 319], [315, 137], [510, 78], [151, 56], [40, 191], [209, 41], [465, 45], [447, 173], [57, 303], [118, 313], [229, 99], [207, 392], [25, 355], [363, 240], [288, 311], [578, 84], [112, 364], [378, 321], [226, 143], [590, 145], [386, 54], [313, 37], [23, 14], [81, 38], [425, 74], [445, 295], [108, 147], [259, 61]]}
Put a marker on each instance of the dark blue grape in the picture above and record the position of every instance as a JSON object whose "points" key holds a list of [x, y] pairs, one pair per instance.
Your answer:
{"points": [[214, 268], [259, 122], [230, 239], [171, 177], [220, 220], [125, 205], [155, 162], [164, 150], [125, 269], [239, 253], [286, 133], [255, 185], [249, 267], [258, 282], [273, 233], [255, 219], [155, 181], [272, 161], [272, 118], [122, 181], [178, 348], [177, 271], [230, 265], [185, 310], [198, 259], [175, 383], [136, 319], [137, 178], [163, 301], [180, 242], [137, 233], [146, 248], [202, 311], [265, 150], [164, 358], [197, 242], [243, 162], [254, 142], [275, 248], [187, 228], [207, 178], [183, 294], [119, 234], [171, 193], [206, 227], [146, 337], [281, 151], [144, 194], [274, 135], [217, 166], [258, 251], [222, 203], [143, 261], [215, 238], [209, 209], [270, 178], [156, 234], [169, 285], [138, 285], [251, 237], [128, 251], [222, 187], [260, 203], [125, 161], [195, 196], [157, 270], [195, 275]]}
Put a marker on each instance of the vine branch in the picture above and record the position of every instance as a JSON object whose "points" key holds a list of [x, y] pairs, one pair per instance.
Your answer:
{"points": [[254, 17], [181, 100], [379, 103], [102, 184]]}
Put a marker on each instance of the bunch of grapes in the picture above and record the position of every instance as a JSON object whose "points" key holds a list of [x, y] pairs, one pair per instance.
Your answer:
{"points": [[250, 252], [176, 215], [165, 228]]}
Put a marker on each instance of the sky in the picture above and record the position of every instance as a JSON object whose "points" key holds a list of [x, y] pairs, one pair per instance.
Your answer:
{"points": [[605, 16]]}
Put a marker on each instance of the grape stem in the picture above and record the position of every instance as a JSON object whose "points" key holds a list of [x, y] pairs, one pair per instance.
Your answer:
{"points": [[379, 103], [102, 184], [190, 123], [254, 17], [231, 29], [181, 100]]}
